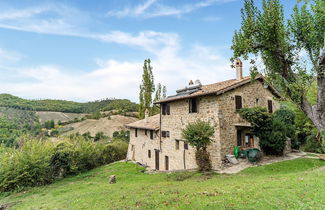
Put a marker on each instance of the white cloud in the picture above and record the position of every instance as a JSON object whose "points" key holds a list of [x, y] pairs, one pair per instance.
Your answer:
{"points": [[8, 57], [158, 10], [121, 79], [56, 19], [173, 66]]}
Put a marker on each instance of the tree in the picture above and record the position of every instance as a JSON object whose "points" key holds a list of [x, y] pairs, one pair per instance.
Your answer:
{"points": [[265, 33], [199, 135], [158, 93], [147, 88], [164, 92]]}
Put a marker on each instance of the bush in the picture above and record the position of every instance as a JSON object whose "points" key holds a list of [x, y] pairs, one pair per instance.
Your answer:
{"points": [[27, 166], [312, 143], [122, 135], [41, 162], [198, 135], [272, 129]]}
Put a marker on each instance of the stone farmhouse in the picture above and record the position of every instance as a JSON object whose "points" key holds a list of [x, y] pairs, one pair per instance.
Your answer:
{"points": [[157, 142]]}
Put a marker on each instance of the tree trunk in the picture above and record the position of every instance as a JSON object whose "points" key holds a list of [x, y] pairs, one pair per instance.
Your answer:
{"points": [[316, 113]]}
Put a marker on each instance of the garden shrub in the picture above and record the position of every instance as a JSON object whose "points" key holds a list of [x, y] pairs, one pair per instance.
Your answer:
{"points": [[27, 166], [312, 143], [272, 129], [199, 135], [41, 162]]}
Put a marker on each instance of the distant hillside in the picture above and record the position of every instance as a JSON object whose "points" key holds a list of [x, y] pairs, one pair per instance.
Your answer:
{"points": [[7, 100], [108, 126], [19, 117], [58, 116]]}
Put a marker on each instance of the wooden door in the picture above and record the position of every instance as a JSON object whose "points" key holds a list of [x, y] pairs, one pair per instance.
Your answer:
{"points": [[166, 163], [157, 159]]}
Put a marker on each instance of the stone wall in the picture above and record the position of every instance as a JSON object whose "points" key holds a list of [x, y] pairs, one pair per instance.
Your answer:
{"points": [[177, 120], [249, 92], [218, 110], [139, 146]]}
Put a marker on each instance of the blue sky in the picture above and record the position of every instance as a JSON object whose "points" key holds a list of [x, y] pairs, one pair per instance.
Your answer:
{"points": [[86, 50]]}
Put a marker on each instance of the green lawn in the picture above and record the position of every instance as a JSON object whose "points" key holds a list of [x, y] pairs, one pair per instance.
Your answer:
{"points": [[294, 184]]}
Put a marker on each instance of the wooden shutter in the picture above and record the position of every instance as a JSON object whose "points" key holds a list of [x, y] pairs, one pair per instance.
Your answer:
{"points": [[238, 102], [270, 106], [149, 153], [151, 134], [193, 105], [163, 109], [168, 109], [177, 144]]}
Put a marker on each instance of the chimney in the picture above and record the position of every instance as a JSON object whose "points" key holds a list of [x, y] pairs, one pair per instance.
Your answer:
{"points": [[239, 69], [146, 115]]}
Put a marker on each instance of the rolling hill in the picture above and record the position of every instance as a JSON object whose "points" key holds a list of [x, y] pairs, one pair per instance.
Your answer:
{"points": [[108, 126], [58, 116], [7, 100]]}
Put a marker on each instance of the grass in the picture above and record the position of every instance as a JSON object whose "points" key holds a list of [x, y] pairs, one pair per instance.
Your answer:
{"points": [[294, 184]]}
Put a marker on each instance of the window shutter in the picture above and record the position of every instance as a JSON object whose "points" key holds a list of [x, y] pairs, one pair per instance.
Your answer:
{"points": [[151, 134], [238, 102], [168, 109], [270, 106]]}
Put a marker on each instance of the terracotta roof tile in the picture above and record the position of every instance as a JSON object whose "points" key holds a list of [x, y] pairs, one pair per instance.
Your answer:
{"points": [[151, 123], [216, 88]]}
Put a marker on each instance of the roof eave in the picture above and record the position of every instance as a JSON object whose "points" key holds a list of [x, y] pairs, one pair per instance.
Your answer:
{"points": [[221, 91]]}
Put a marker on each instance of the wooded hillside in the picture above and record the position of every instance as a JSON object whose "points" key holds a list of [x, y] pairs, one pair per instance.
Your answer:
{"points": [[7, 100]]}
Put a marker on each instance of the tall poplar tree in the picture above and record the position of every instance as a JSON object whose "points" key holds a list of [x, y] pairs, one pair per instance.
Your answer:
{"points": [[147, 88], [158, 93], [164, 92], [265, 33]]}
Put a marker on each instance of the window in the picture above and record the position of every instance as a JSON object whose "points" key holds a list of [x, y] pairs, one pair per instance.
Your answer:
{"points": [[270, 106], [149, 153], [257, 101], [146, 132], [249, 140], [165, 109], [151, 134], [165, 134], [238, 102], [193, 105], [136, 132], [177, 144], [186, 146]]}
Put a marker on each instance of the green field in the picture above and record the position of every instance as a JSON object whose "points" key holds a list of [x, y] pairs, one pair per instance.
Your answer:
{"points": [[294, 184]]}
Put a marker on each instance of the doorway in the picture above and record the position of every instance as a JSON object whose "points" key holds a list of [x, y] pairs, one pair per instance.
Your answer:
{"points": [[166, 163], [157, 159]]}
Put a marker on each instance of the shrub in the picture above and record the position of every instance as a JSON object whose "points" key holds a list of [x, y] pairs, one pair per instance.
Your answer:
{"points": [[312, 144], [41, 162], [27, 166], [122, 135], [272, 129], [198, 135]]}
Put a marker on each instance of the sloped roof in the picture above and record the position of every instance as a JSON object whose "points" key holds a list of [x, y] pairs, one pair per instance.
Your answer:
{"points": [[150, 123], [218, 88]]}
